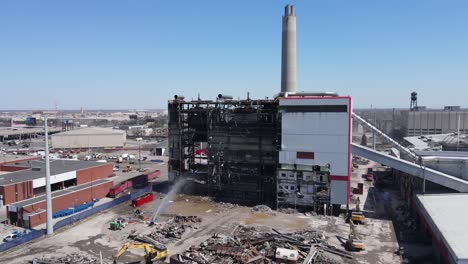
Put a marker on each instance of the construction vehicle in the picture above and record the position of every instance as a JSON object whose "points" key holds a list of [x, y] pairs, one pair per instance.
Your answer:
{"points": [[118, 224], [128, 169], [114, 226], [354, 243], [357, 216], [152, 252], [370, 174]]}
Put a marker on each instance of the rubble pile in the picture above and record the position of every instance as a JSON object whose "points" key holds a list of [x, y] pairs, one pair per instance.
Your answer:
{"points": [[263, 209], [68, 259], [248, 245], [226, 206], [287, 210], [174, 228]]}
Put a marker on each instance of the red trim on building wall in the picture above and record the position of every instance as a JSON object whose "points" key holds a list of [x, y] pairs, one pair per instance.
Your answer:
{"points": [[20, 160], [338, 178], [12, 168], [350, 109], [305, 155]]}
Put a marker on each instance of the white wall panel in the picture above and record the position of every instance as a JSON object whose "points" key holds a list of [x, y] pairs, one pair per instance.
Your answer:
{"points": [[315, 143], [315, 123], [55, 178], [339, 192]]}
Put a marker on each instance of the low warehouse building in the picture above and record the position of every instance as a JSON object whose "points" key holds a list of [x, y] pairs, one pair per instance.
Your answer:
{"points": [[443, 218], [24, 180], [31, 212], [93, 137]]}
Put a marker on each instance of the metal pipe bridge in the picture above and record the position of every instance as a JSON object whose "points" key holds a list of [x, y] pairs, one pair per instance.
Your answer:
{"points": [[408, 167]]}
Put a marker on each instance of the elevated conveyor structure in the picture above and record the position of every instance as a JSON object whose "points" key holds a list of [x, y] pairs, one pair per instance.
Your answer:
{"points": [[434, 176], [397, 145], [413, 168]]}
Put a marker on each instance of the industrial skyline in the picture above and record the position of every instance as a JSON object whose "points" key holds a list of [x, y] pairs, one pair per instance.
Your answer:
{"points": [[377, 52]]}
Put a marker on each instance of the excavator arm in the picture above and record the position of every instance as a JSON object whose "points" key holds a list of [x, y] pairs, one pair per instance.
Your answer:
{"points": [[151, 254]]}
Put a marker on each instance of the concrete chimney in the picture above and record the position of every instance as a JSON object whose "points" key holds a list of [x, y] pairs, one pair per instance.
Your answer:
{"points": [[288, 51]]}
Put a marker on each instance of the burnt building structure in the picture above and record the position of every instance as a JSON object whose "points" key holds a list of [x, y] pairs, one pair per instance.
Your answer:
{"points": [[241, 139], [293, 150]]}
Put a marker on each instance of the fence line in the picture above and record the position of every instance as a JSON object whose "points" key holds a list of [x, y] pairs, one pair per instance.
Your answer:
{"points": [[84, 214], [33, 234]]}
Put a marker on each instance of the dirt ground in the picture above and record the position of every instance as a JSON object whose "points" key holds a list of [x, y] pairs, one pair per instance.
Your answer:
{"points": [[92, 237]]}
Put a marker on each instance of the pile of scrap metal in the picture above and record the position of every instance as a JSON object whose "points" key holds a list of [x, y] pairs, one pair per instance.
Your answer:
{"points": [[263, 209], [247, 245], [68, 259], [174, 228]]}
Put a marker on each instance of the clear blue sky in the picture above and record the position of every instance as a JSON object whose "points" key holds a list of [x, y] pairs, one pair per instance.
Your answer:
{"points": [[137, 54]]}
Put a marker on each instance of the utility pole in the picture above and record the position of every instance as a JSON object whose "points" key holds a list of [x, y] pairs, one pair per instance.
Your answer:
{"points": [[50, 227], [139, 152]]}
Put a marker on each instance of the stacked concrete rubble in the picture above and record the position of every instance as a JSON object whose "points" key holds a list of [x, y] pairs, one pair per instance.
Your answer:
{"points": [[68, 259], [171, 230], [247, 245]]}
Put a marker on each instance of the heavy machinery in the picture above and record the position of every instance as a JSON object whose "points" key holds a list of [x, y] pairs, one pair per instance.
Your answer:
{"points": [[354, 243], [357, 216], [118, 224], [152, 252], [128, 169]]}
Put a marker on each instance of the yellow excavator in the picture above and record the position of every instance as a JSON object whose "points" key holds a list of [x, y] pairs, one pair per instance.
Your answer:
{"points": [[152, 253], [357, 216], [354, 243]]}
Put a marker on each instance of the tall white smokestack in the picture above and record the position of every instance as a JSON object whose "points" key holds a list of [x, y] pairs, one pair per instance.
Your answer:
{"points": [[288, 51]]}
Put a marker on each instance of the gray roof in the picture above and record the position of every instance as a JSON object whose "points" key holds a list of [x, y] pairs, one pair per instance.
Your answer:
{"points": [[26, 130], [56, 167], [91, 131], [41, 198], [426, 141], [448, 215]]}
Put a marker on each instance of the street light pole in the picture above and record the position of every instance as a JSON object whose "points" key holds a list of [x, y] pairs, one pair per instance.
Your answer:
{"points": [[139, 152]]}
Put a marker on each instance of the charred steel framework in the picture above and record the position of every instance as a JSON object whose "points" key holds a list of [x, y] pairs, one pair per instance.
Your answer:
{"points": [[241, 138]]}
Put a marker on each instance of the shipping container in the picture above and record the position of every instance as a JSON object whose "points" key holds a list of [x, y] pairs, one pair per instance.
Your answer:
{"points": [[148, 197], [154, 175], [120, 188]]}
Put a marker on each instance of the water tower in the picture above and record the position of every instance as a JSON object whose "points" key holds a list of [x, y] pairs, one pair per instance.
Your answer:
{"points": [[414, 101]]}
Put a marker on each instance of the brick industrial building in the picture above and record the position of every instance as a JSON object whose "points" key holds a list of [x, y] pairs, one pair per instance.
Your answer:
{"points": [[22, 187], [31, 212], [24, 180]]}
